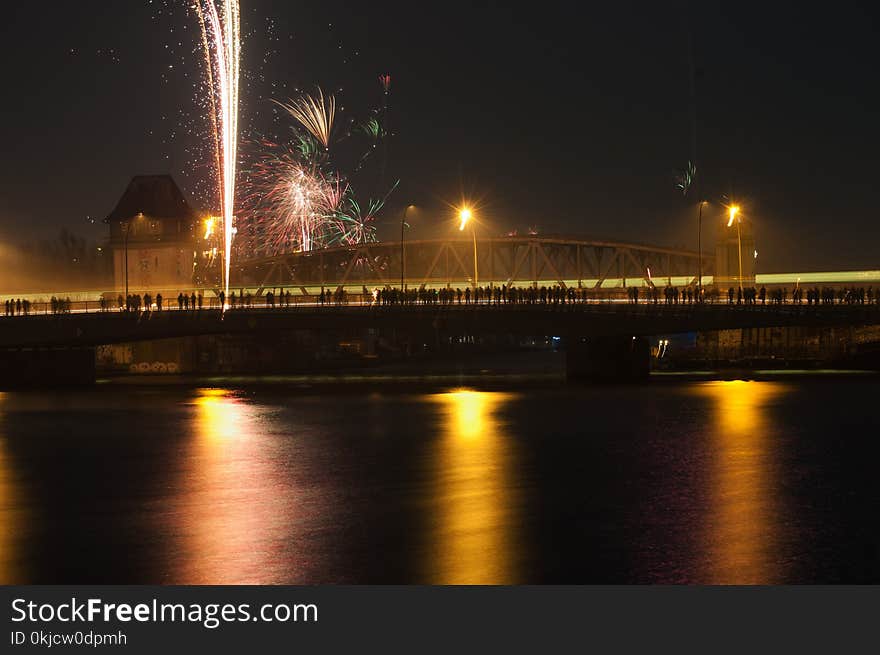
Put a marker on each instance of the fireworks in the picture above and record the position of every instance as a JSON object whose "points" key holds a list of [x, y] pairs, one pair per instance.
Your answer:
{"points": [[291, 201], [221, 40], [685, 178], [294, 207], [353, 223], [314, 114], [372, 129], [298, 197]]}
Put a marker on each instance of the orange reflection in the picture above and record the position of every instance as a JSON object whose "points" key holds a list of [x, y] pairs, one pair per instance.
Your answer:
{"points": [[14, 515], [229, 511], [474, 531], [220, 415], [742, 536]]}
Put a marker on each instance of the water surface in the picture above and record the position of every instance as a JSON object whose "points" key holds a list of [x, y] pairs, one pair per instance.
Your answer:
{"points": [[685, 482]]}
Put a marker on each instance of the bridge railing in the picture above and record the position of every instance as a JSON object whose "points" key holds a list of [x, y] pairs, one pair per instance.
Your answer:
{"points": [[286, 299]]}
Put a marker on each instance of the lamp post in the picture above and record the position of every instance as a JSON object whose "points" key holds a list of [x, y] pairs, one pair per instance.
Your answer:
{"points": [[700, 251], [466, 215], [127, 225], [402, 252], [734, 216]]}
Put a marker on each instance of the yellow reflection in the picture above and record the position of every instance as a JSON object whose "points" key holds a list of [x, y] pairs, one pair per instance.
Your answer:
{"points": [[14, 515], [474, 497], [742, 535], [225, 507], [468, 412], [220, 414]]}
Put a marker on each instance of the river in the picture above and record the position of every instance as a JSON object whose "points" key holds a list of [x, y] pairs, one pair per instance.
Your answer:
{"points": [[683, 481]]}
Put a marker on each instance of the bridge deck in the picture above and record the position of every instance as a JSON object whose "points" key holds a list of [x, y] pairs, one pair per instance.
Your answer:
{"points": [[566, 320]]}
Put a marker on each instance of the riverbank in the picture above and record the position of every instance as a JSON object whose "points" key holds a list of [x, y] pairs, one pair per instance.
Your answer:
{"points": [[485, 380]]}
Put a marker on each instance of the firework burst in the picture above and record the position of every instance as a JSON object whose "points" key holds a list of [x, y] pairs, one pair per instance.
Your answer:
{"points": [[315, 114], [291, 202], [356, 223], [297, 197], [293, 207], [685, 178]]}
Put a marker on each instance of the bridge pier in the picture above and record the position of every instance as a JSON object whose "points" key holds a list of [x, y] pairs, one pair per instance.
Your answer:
{"points": [[607, 359], [46, 367]]}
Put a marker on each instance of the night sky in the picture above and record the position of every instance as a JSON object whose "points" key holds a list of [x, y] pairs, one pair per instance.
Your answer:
{"points": [[565, 117]]}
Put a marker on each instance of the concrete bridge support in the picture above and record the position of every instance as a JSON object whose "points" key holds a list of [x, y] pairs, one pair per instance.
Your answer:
{"points": [[46, 367], [607, 359]]}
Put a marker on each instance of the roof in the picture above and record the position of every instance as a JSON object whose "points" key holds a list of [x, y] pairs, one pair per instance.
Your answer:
{"points": [[157, 196]]}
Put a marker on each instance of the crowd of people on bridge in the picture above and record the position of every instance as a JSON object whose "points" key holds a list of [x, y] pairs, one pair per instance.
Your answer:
{"points": [[492, 295], [23, 306], [560, 295], [338, 297], [18, 307], [814, 296], [196, 301]]}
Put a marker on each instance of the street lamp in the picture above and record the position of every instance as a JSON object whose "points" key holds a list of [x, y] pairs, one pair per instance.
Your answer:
{"points": [[466, 215], [700, 250], [402, 254], [733, 212]]}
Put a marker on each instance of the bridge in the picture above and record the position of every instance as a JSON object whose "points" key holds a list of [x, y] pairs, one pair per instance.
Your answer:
{"points": [[604, 268], [569, 320], [569, 262], [520, 260], [603, 335], [603, 340]]}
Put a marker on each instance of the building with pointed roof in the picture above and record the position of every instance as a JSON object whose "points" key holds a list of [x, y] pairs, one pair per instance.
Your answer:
{"points": [[152, 236]]}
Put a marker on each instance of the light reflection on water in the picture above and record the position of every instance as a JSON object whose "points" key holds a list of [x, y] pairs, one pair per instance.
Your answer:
{"points": [[238, 514], [472, 519], [742, 521], [231, 486], [13, 513], [232, 508]]}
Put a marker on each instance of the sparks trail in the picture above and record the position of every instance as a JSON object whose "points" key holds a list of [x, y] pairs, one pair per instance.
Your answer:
{"points": [[221, 39], [314, 114]]}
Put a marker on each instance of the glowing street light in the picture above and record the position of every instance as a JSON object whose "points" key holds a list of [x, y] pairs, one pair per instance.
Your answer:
{"points": [[465, 215], [209, 226], [700, 249], [733, 212], [402, 252]]}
